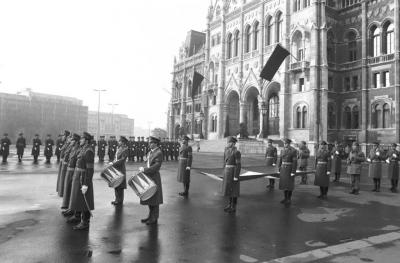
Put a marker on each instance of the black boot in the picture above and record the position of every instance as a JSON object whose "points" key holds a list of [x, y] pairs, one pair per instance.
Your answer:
{"points": [[289, 199], [321, 192], [286, 197], [325, 193], [233, 207], [378, 185], [375, 185], [228, 207]]}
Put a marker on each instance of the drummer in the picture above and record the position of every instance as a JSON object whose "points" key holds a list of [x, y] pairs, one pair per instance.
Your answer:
{"points": [[185, 163], [119, 164], [154, 161]]}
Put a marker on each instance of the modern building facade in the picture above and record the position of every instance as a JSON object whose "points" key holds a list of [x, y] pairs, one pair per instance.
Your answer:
{"points": [[110, 124], [341, 82], [31, 112]]}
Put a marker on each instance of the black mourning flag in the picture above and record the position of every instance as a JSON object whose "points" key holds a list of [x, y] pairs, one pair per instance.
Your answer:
{"points": [[274, 62], [197, 79]]}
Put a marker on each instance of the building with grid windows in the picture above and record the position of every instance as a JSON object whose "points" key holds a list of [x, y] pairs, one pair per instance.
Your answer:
{"points": [[341, 82]]}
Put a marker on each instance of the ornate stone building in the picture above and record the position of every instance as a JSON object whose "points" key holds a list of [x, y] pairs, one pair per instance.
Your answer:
{"points": [[342, 81]]}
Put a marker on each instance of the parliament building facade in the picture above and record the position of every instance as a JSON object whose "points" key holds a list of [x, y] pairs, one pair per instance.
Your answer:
{"points": [[341, 81]]}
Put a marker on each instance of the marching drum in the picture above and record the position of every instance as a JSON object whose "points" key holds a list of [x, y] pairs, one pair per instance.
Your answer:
{"points": [[143, 186], [112, 176]]}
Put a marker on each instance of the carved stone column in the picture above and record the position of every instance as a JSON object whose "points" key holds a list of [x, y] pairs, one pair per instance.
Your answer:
{"points": [[263, 111]]}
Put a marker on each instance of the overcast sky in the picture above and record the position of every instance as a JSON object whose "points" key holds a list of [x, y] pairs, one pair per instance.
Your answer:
{"points": [[72, 47]]}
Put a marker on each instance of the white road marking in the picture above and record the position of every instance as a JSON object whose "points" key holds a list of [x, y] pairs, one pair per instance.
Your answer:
{"points": [[248, 259], [321, 253]]}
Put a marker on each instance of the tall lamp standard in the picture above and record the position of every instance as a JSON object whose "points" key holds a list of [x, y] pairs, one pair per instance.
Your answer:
{"points": [[98, 112], [113, 105]]}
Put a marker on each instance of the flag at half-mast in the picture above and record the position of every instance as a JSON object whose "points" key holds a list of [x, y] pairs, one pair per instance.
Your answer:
{"points": [[197, 79], [274, 62]]}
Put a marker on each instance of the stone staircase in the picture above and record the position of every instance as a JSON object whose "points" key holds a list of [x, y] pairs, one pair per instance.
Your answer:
{"points": [[245, 146], [211, 145]]}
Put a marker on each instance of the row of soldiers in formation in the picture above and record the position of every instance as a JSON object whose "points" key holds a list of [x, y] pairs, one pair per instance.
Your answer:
{"points": [[137, 148], [329, 162]]}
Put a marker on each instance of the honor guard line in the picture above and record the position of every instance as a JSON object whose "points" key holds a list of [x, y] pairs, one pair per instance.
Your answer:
{"points": [[249, 175]]}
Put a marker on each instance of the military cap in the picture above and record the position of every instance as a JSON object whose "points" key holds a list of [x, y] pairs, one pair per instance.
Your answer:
{"points": [[37, 134], [102, 136], [303, 142], [123, 139], [232, 139], [130, 137], [5, 134], [20, 133], [323, 143], [87, 136], [76, 137], [142, 137], [356, 144], [153, 139], [186, 138], [287, 140], [394, 144], [49, 135], [270, 141], [376, 143], [67, 133]]}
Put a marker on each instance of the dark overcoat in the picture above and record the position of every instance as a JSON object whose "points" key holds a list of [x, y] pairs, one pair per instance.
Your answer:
{"points": [[322, 162], [287, 165], [5, 146], [119, 163], [21, 144], [73, 156], [36, 147], [48, 150], [154, 161], [64, 169], [83, 175], [375, 166], [336, 163], [185, 160], [303, 155], [354, 162], [232, 167], [393, 156], [271, 155]]}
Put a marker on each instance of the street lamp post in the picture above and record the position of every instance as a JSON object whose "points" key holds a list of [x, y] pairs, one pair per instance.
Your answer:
{"points": [[112, 114], [98, 112], [149, 124]]}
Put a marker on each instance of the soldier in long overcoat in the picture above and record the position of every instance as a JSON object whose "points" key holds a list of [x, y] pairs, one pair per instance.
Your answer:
{"points": [[62, 150], [375, 158], [354, 161], [5, 147], [271, 156], [131, 147], [302, 155], [48, 148], [152, 170], [101, 149], [20, 144], [232, 167], [119, 164], [73, 156], [177, 146], [393, 158], [337, 154], [287, 168], [66, 152], [82, 200], [59, 145], [184, 166], [112, 148], [36, 148], [322, 171]]}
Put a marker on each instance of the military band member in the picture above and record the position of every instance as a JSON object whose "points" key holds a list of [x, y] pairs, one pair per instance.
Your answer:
{"points": [[36, 148], [287, 168], [354, 160], [93, 144], [119, 164], [177, 146], [65, 160], [82, 200], [5, 147], [101, 149], [166, 145], [322, 173], [375, 157], [232, 167], [62, 150], [48, 150], [20, 144], [271, 155], [73, 155], [303, 155], [336, 163], [184, 166], [393, 158], [171, 150], [152, 170], [59, 145]]}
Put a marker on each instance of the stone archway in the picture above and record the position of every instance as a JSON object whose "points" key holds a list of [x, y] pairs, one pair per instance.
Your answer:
{"points": [[232, 114], [272, 96], [252, 113]]}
